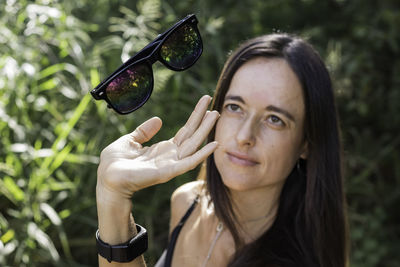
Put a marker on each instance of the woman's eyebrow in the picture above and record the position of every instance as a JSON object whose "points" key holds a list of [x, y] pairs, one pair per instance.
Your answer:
{"points": [[236, 98], [281, 111], [269, 108]]}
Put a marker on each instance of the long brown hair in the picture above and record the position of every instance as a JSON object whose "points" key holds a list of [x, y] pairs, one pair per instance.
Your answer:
{"points": [[311, 227]]}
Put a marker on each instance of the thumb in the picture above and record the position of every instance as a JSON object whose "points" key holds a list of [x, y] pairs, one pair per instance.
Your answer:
{"points": [[146, 130]]}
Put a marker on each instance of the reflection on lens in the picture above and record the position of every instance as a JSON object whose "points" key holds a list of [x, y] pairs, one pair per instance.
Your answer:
{"points": [[131, 88], [182, 48]]}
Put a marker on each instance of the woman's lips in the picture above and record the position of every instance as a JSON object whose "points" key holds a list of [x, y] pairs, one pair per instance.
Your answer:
{"points": [[241, 159]]}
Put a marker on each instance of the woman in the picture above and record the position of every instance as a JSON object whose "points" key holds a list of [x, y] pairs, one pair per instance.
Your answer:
{"points": [[273, 193]]}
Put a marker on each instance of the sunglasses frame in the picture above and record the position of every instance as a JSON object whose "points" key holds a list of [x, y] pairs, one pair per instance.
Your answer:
{"points": [[148, 56]]}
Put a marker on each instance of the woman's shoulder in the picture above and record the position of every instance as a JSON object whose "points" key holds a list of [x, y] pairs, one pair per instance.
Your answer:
{"points": [[184, 195], [182, 198]]}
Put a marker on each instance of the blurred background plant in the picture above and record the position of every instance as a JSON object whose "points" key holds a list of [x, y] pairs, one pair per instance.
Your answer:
{"points": [[53, 52]]}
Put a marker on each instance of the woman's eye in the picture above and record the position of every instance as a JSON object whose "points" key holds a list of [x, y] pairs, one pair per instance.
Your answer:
{"points": [[275, 120], [232, 107]]}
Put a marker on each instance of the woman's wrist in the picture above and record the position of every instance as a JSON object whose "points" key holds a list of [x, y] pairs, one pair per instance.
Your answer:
{"points": [[116, 223]]}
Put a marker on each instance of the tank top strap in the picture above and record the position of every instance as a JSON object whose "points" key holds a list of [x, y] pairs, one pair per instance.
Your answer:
{"points": [[176, 231]]}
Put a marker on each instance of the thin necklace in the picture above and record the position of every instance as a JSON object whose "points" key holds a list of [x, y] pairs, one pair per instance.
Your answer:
{"points": [[219, 229], [257, 219]]}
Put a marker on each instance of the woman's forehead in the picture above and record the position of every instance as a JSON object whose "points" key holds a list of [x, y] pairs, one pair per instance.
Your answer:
{"points": [[267, 80]]}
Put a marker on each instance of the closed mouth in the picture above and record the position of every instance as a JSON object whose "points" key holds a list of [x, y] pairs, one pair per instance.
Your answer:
{"points": [[241, 159]]}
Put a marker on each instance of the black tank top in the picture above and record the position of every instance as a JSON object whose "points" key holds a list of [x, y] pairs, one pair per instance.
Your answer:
{"points": [[175, 234]]}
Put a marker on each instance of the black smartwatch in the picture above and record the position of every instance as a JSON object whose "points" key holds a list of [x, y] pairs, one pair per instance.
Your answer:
{"points": [[124, 252]]}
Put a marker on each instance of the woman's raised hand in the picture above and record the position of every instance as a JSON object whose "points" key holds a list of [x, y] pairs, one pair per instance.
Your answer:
{"points": [[126, 166]]}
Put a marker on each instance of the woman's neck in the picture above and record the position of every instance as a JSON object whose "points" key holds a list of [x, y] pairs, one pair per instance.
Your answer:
{"points": [[256, 210]]}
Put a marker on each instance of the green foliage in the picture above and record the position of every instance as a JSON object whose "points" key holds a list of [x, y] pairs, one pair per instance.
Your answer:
{"points": [[53, 52], [44, 83]]}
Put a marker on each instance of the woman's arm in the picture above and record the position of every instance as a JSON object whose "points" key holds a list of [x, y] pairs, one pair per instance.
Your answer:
{"points": [[126, 167], [116, 224]]}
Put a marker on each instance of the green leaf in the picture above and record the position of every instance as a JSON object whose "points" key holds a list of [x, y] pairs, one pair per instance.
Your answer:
{"points": [[94, 77], [49, 84], [60, 158], [43, 240], [65, 213], [50, 213], [51, 70], [9, 235], [13, 188]]}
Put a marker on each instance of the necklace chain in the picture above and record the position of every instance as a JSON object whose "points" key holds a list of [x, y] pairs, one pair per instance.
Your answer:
{"points": [[219, 229], [256, 219]]}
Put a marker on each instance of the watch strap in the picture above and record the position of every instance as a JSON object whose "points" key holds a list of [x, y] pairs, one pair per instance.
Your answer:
{"points": [[125, 252]]}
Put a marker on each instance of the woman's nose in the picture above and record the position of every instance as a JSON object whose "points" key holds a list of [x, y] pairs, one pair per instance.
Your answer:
{"points": [[246, 133]]}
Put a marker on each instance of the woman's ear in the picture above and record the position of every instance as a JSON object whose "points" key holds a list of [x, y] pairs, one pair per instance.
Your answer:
{"points": [[304, 150]]}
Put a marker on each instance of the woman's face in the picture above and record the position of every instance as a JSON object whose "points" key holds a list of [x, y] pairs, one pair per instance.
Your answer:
{"points": [[260, 131]]}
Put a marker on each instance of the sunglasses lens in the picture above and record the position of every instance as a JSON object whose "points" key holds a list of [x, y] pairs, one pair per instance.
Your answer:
{"points": [[182, 48], [131, 89]]}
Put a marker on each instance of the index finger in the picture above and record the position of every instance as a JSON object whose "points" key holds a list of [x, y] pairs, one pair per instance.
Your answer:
{"points": [[194, 120]]}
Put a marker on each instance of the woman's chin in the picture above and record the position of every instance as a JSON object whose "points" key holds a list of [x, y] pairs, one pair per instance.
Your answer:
{"points": [[237, 182]]}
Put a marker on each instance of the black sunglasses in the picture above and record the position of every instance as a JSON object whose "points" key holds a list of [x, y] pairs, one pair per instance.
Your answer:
{"points": [[131, 85]]}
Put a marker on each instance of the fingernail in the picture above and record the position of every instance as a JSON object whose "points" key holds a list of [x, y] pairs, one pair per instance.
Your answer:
{"points": [[216, 112], [206, 115]]}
